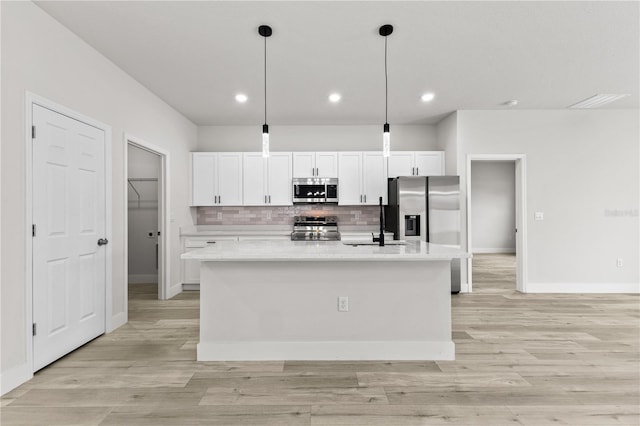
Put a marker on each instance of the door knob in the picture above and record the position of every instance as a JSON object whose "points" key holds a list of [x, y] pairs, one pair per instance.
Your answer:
{"points": [[103, 242]]}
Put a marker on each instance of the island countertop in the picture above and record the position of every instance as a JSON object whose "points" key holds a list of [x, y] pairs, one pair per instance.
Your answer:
{"points": [[322, 251]]}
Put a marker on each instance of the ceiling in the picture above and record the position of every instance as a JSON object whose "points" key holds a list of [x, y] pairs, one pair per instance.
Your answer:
{"points": [[472, 55]]}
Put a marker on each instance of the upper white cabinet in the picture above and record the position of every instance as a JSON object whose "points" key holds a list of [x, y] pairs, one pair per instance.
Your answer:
{"points": [[362, 178], [416, 163], [315, 164], [216, 178], [267, 181]]}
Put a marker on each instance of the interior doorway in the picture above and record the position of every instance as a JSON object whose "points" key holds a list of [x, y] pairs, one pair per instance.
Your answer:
{"points": [[146, 216], [496, 222]]}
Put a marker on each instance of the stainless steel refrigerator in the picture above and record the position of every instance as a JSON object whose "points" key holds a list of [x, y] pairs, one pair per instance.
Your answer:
{"points": [[428, 209]]}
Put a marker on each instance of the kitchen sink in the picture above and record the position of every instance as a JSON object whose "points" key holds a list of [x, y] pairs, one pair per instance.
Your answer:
{"points": [[371, 243]]}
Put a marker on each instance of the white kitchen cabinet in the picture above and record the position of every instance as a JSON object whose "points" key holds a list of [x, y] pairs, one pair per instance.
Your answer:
{"points": [[267, 181], [416, 163], [216, 178], [315, 164], [191, 268], [362, 177]]}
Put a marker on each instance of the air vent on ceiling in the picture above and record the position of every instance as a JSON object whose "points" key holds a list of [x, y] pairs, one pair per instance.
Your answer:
{"points": [[597, 100]]}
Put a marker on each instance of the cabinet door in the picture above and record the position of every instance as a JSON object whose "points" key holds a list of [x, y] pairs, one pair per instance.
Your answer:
{"points": [[429, 163], [374, 177], [203, 178], [279, 177], [254, 179], [327, 164], [349, 178], [401, 164], [304, 164], [230, 178]]}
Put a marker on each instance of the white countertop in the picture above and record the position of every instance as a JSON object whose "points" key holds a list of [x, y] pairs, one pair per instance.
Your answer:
{"points": [[321, 251]]}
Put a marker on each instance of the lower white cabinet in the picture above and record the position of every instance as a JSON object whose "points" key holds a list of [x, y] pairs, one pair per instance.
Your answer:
{"points": [[191, 268]]}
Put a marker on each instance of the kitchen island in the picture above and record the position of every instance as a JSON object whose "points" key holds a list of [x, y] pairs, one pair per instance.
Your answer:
{"points": [[279, 300]]}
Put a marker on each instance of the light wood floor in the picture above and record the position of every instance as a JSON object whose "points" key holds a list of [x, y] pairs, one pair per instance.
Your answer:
{"points": [[520, 359]]}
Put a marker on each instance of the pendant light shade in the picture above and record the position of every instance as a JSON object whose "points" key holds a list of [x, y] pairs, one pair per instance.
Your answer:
{"points": [[385, 31], [265, 31]]}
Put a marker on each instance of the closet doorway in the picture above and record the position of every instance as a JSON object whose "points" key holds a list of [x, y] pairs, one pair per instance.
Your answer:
{"points": [[146, 218]]}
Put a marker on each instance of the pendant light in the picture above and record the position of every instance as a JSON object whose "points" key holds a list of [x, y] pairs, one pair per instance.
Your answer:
{"points": [[385, 31], [265, 31]]}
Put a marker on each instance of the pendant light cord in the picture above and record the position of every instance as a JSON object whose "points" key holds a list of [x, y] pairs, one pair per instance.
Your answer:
{"points": [[265, 80], [386, 83]]}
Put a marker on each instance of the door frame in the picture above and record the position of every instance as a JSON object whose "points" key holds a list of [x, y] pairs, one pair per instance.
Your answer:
{"points": [[521, 214], [32, 99], [164, 248]]}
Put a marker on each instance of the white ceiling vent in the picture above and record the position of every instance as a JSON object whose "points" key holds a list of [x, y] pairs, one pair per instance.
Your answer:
{"points": [[596, 101]]}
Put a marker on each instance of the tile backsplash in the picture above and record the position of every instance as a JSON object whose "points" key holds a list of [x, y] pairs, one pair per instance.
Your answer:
{"points": [[266, 215]]}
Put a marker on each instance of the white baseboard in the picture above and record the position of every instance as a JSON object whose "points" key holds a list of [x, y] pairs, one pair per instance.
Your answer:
{"points": [[464, 288], [583, 287], [505, 250], [14, 377], [326, 351], [143, 279], [174, 290], [117, 321], [191, 286]]}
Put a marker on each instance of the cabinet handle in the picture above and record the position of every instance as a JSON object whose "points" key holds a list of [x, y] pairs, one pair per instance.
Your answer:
{"points": [[360, 197], [417, 171], [365, 198], [265, 199], [269, 199], [219, 199], [317, 172]]}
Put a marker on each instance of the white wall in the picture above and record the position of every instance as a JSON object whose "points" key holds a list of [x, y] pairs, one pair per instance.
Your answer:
{"points": [[447, 140], [143, 215], [41, 56], [493, 211], [316, 138], [582, 165]]}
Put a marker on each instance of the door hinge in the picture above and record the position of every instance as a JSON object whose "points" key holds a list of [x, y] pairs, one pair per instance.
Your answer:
{"points": [[33, 132], [33, 230], [33, 329]]}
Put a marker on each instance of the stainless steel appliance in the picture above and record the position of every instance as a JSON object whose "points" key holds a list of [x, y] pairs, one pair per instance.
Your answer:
{"points": [[428, 209], [315, 190], [315, 228]]}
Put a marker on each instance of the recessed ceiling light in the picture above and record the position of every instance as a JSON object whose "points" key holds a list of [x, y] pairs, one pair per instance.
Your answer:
{"points": [[427, 97], [597, 100], [335, 97], [242, 98], [511, 103]]}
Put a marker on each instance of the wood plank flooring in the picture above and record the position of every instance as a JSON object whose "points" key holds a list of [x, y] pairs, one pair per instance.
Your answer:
{"points": [[520, 360]]}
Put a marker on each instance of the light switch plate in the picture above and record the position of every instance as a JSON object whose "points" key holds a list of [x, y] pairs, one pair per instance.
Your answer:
{"points": [[343, 304], [539, 216]]}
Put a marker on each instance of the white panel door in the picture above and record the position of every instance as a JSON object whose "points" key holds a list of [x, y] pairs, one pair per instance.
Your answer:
{"points": [[70, 216], [350, 178], [429, 163], [254, 179], [203, 178], [374, 178], [304, 164], [229, 179], [280, 192], [401, 164], [327, 164]]}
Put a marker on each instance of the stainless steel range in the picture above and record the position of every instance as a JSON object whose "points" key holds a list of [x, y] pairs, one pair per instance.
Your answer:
{"points": [[315, 228]]}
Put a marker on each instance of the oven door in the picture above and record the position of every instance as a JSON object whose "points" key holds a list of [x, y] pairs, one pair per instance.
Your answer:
{"points": [[309, 193]]}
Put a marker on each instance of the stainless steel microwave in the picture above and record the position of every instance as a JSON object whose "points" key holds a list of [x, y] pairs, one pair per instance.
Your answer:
{"points": [[315, 190]]}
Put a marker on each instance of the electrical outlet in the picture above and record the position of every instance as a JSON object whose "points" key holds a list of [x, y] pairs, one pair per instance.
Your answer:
{"points": [[219, 215], [268, 214], [538, 216], [619, 262], [343, 304]]}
